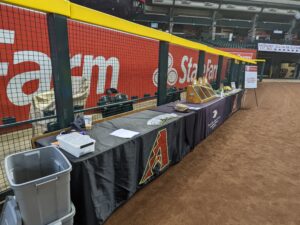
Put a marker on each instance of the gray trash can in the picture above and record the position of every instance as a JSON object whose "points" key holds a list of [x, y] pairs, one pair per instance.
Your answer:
{"points": [[10, 214], [40, 180], [66, 220]]}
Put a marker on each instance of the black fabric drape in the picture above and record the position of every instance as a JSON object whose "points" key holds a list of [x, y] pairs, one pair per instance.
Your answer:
{"points": [[104, 180]]}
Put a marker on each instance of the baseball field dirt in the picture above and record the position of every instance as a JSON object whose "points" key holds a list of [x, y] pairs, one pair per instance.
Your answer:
{"points": [[246, 173]]}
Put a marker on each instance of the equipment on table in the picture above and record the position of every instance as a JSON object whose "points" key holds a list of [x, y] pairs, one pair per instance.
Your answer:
{"points": [[173, 95], [40, 180], [110, 102], [200, 91], [76, 144], [161, 119], [227, 88], [181, 107]]}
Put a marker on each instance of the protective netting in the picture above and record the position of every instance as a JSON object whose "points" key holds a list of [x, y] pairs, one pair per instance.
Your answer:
{"points": [[25, 73]]}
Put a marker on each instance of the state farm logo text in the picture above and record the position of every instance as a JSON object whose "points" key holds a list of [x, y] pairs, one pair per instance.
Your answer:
{"points": [[188, 71], [39, 70]]}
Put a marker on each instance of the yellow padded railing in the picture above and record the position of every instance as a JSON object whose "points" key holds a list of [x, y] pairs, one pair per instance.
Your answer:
{"points": [[80, 13], [259, 60]]}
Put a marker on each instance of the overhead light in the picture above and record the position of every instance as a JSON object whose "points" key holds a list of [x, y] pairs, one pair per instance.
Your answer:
{"points": [[252, 8], [230, 6], [289, 12], [240, 8], [208, 4], [185, 2]]}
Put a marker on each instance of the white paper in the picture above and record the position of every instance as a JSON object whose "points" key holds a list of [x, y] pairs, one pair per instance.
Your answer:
{"points": [[123, 133], [194, 108]]}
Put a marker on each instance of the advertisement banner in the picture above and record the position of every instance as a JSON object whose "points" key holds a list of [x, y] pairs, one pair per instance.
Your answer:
{"points": [[104, 57], [265, 47]]}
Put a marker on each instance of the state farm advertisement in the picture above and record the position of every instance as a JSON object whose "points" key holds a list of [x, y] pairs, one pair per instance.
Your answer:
{"points": [[103, 57], [108, 58]]}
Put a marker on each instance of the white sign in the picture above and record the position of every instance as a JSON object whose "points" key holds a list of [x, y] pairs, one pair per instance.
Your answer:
{"points": [[264, 47], [233, 86], [251, 77]]}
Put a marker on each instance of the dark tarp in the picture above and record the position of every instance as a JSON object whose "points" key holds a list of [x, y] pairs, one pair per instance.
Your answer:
{"points": [[103, 180]]}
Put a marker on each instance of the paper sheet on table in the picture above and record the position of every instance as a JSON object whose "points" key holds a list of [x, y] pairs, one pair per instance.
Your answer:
{"points": [[123, 133], [194, 108]]}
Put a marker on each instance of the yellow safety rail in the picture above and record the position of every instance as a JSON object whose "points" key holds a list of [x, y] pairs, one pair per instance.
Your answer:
{"points": [[259, 60], [80, 13]]}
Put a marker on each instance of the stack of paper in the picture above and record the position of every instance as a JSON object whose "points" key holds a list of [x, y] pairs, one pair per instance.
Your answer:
{"points": [[123, 133]]}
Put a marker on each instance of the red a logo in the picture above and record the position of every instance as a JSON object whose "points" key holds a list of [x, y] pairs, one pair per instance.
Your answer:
{"points": [[159, 156]]}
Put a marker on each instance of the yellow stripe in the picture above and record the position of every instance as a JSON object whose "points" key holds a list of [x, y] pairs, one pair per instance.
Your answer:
{"points": [[61, 7], [87, 15], [260, 60]]}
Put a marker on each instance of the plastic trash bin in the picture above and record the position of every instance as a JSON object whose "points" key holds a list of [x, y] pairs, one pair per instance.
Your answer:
{"points": [[40, 180], [10, 213], [66, 220]]}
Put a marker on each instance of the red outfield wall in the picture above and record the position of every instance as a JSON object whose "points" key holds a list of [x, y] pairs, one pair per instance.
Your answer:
{"points": [[105, 57]]}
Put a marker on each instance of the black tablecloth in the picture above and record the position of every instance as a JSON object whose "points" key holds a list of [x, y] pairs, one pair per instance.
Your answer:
{"points": [[207, 116], [103, 180]]}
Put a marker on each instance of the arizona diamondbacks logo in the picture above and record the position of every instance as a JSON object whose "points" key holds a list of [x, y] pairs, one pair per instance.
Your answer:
{"points": [[159, 156]]}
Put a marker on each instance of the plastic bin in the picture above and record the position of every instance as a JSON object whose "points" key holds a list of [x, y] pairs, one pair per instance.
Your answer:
{"points": [[66, 220], [40, 180], [10, 213]]}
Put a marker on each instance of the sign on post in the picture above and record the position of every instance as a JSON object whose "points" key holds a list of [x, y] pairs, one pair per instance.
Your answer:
{"points": [[250, 77]]}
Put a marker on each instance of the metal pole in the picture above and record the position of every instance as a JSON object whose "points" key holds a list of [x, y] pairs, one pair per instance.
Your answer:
{"points": [[243, 77], [201, 60], [262, 71], [162, 72], [219, 72], [231, 70], [171, 18], [237, 80], [59, 47]]}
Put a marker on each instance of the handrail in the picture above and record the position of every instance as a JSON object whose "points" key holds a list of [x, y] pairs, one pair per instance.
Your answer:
{"points": [[81, 13], [259, 60]]}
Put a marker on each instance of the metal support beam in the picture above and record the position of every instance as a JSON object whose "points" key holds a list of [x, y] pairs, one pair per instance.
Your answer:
{"points": [[214, 26], [241, 75], [162, 72], [237, 77], [289, 34], [231, 71], [171, 17], [262, 71], [60, 57], [219, 72], [201, 62], [253, 29]]}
